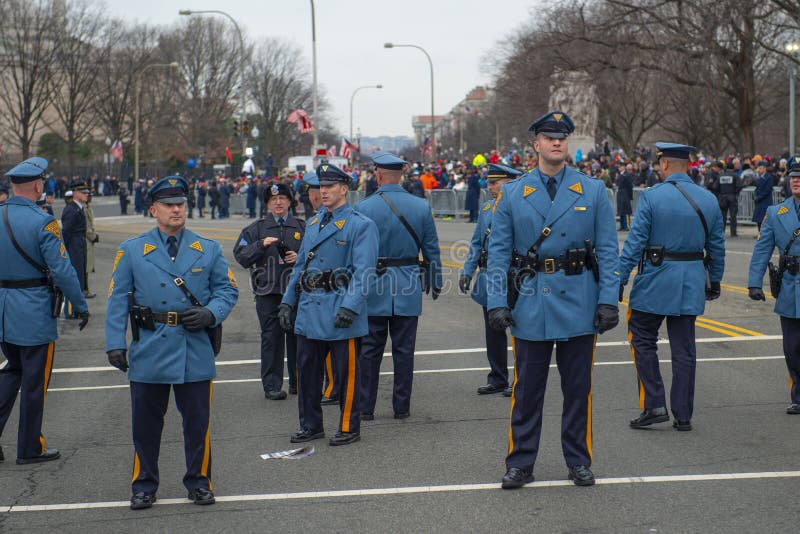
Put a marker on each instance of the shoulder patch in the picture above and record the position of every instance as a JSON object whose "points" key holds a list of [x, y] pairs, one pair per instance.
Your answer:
{"points": [[54, 228], [528, 190], [488, 206], [577, 188], [782, 210], [196, 246], [232, 278], [297, 236], [340, 224], [148, 248], [62, 250], [116, 260], [497, 200], [313, 221], [111, 287]]}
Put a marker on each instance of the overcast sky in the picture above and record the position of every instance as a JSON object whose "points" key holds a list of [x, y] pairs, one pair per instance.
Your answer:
{"points": [[350, 53]]}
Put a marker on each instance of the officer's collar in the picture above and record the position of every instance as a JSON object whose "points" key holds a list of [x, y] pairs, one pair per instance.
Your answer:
{"points": [[558, 176], [391, 187], [164, 236], [344, 207], [678, 177]]}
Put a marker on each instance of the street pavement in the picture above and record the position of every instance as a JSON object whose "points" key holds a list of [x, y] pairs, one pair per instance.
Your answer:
{"points": [[439, 470]]}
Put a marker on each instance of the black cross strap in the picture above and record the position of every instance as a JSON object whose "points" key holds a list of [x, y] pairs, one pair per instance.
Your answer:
{"points": [[19, 249], [403, 220], [694, 205]]}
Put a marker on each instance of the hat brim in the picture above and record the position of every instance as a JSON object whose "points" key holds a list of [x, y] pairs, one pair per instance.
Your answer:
{"points": [[553, 135], [171, 200], [792, 174], [332, 182]]}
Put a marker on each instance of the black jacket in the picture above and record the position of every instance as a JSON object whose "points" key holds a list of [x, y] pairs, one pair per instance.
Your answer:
{"points": [[73, 222], [269, 274]]}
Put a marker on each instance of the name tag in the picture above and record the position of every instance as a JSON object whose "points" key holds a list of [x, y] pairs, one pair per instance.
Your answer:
{"points": [[580, 208], [341, 242], [726, 180], [197, 270]]}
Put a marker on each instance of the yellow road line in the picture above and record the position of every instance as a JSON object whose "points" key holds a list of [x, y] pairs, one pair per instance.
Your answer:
{"points": [[732, 327], [700, 322]]}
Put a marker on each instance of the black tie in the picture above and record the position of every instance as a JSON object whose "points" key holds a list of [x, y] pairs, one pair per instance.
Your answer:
{"points": [[551, 188], [172, 247], [325, 219]]}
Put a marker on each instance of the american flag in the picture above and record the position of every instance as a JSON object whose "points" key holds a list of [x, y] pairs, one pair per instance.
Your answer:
{"points": [[332, 151], [348, 148], [300, 118], [116, 150], [427, 148]]}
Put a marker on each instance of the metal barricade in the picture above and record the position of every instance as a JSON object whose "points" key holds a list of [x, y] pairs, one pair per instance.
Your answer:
{"points": [[354, 197], [237, 204], [484, 197], [443, 202], [747, 205], [460, 200]]}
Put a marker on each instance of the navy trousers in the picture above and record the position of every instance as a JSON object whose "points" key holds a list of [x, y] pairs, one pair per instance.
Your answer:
{"points": [[275, 342], [148, 406], [330, 386], [791, 351], [574, 358], [27, 372], [643, 335], [404, 337], [311, 354], [496, 352]]}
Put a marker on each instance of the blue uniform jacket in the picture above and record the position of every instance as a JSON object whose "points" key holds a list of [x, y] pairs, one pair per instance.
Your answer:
{"points": [[168, 354], [665, 218], [762, 196], [350, 242], [399, 292], [554, 306], [776, 231], [480, 238], [27, 314]]}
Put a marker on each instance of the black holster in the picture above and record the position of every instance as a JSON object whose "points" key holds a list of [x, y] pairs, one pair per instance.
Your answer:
{"points": [[56, 297], [775, 279]]}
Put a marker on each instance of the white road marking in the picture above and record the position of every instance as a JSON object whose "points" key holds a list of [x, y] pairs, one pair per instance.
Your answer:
{"points": [[450, 488], [223, 363], [443, 371]]}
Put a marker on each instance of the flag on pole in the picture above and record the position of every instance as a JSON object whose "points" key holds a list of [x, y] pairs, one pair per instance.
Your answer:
{"points": [[348, 147], [300, 118], [332, 151], [228, 155], [116, 150], [426, 146]]}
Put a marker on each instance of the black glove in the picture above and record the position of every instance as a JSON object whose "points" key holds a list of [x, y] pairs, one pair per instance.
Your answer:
{"points": [[84, 317], [714, 291], [500, 318], [464, 282], [435, 292], [756, 293], [621, 292], [96, 239], [344, 318], [285, 317], [117, 358], [606, 317], [197, 317]]}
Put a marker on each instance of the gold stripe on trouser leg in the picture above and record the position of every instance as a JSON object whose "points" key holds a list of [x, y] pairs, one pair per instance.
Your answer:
{"points": [[589, 404], [207, 444], [633, 355], [329, 372], [48, 371], [351, 384], [137, 467], [513, 395]]}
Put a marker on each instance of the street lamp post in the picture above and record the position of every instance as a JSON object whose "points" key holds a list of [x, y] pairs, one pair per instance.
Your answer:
{"points": [[242, 88], [357, 89], [314, 68], [137, 112], [433, 117], [793, 49]]}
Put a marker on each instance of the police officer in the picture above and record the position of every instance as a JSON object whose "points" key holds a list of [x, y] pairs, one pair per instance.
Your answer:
{"points": [[781, 229], [328, 290], [268, 247], [73, 223], [29, 306], [675, 222], [559, 226], [729, 185], [406, 228], [496, 341], [309, 195], [762, 196], [3, 193], [177, 288], [624, 199]]}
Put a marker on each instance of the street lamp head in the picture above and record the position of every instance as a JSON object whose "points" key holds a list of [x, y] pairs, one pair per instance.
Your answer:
{"points": [[379, 86], [388, 45], [793, 47], [185, 12], [174, 65]]}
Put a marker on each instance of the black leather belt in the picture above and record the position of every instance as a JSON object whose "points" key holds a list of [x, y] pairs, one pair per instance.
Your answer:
{"points": [[683, 256], [326, 280], [397, 262], [571, 266], [168, 318], [23, 284]]}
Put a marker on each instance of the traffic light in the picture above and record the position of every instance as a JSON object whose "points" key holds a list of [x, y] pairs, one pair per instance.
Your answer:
{"points": [[236, 128], [245, 127]]}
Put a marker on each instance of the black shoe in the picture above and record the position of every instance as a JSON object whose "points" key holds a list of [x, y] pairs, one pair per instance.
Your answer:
{"points": [[344, 438], [292, 390], [402, 415], [275, 394], [142, 500], [794, 409], [88, 295], [2, 457], [201, 496], [490, 389], [367, 416], [580, 475], [46, 456], [508, 391], [327, 401], [516, 478], [650, 416], [307, 435], [682, 425]]}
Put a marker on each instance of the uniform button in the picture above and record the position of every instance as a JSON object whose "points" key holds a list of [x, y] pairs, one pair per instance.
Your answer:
{"points": [[163, 302], [563, 234], [163, 335], [545, 290], [182, 300], [163, 284], [562, 291]]}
